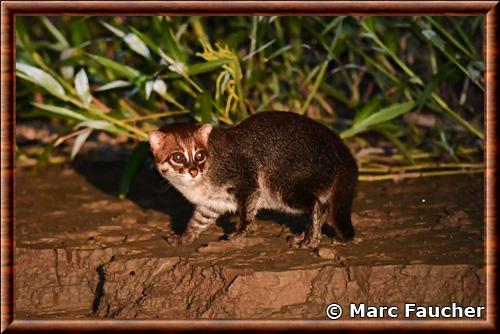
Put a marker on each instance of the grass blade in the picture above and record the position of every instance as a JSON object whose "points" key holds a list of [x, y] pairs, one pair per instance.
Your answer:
{"points": [[120, 69], [113, 85], [79, 141], [61, 111], [134, 163], [315, 86], [62, 42]]}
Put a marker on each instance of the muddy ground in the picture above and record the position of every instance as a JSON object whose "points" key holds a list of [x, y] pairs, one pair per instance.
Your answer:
{"points": [[82, 253]]}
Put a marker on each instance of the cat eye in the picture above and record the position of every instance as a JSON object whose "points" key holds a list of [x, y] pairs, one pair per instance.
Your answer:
{"points": [[178, 157], [200, 156]]}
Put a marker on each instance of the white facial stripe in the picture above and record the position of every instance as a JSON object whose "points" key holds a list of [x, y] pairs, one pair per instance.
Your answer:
{"points": [[193, 150]]}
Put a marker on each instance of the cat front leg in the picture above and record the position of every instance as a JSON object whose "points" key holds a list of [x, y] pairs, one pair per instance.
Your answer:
{"points": [[202, 218], [247, 206]]}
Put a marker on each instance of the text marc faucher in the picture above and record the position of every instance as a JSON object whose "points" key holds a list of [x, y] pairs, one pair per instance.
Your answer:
{"points": [[408, 310]]}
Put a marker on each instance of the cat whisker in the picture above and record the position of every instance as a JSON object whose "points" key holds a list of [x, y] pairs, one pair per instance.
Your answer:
{"points": [[165, 186]]}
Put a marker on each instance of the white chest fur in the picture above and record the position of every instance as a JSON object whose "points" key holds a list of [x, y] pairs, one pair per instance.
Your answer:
{"points": [[217, 198], [207, 195]]}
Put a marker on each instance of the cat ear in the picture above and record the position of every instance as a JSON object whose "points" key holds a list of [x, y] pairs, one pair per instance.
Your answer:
{"points": [[204, 132], [156, 139]]}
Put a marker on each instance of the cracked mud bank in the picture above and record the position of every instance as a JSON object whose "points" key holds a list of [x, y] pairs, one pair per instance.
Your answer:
{"points": [[82, 253]]}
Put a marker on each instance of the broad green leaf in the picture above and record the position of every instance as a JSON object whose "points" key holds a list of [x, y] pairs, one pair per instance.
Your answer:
{"points": [[160, 87], [137, 45], [79, 141], [41, 78], [68, 53], [178, 67], [367, 110], [113, 29], [124, 70], [433, 38], [62, 42], [113, 85], [148, 87], [200, 68], [152, 45], [97, 124], [61, 111], [379, 117], [134, 163], [67, 72], [172, 45], [25, 77], [82, 87]]}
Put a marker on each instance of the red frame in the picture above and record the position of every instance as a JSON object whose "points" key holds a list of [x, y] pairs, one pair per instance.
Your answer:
{"points": [[10, 9]]}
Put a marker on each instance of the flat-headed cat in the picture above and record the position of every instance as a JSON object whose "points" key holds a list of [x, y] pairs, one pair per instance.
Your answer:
{"points": [[272, 160]]}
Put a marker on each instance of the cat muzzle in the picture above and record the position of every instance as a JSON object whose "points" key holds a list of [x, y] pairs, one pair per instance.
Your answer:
{"points": [[193, 171]]}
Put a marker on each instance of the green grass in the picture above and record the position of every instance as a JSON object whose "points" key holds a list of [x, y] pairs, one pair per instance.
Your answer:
{"points": [[368, 78]]}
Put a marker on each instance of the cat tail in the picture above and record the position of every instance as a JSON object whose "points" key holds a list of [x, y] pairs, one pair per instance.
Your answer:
{"points": [[341, 198]]}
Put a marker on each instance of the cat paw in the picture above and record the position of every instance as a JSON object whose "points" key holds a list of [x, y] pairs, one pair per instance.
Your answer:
{"points": [[309, 244], [172, 239], [176, 241], [301, 242], [236, 235], [355, 241], [294, 241]]}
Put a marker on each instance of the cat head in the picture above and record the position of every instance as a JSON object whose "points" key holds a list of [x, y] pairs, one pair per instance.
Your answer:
{"points": [[181, 152]]}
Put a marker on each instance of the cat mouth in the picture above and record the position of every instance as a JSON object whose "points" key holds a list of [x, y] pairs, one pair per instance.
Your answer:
{"points": [[188, 178]]}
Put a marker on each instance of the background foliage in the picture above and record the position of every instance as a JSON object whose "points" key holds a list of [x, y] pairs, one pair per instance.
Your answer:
{"points": [[405, 92]]}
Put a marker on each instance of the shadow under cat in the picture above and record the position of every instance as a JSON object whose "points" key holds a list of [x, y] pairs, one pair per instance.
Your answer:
{"points": [[150, 191]]}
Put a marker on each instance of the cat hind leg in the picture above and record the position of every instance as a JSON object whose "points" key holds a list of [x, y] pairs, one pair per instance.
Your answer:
{"points": [[341, 199], [318, 217]]}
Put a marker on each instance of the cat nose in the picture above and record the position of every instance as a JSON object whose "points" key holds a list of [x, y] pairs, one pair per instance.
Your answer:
{"points": [[193, 171]]}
